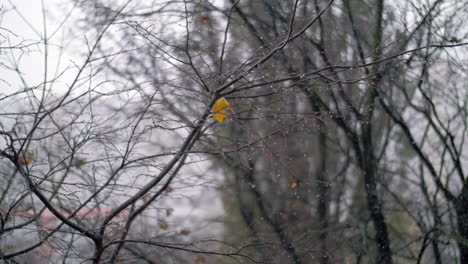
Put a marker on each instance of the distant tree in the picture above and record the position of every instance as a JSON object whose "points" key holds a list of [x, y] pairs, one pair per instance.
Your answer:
{"points": [[354, 99]]}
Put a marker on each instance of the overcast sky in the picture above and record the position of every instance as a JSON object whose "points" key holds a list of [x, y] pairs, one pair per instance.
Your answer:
{"points": [[22, 23]]}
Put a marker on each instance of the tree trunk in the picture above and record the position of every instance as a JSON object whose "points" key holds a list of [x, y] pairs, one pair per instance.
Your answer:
{"points": [[374, 204], [461, 209], [321, 177]]}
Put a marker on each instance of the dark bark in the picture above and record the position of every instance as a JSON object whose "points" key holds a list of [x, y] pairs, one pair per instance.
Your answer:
{"points": [[461, 209], [321, 178], [374, 204], [370, 163]]}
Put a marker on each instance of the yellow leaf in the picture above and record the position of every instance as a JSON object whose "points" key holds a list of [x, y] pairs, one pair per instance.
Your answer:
{"points": [[204, 19], [184, 232], [78, 162], [200, 259], [163, 225], [219, 109], [169, 211], [27, 158]]}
